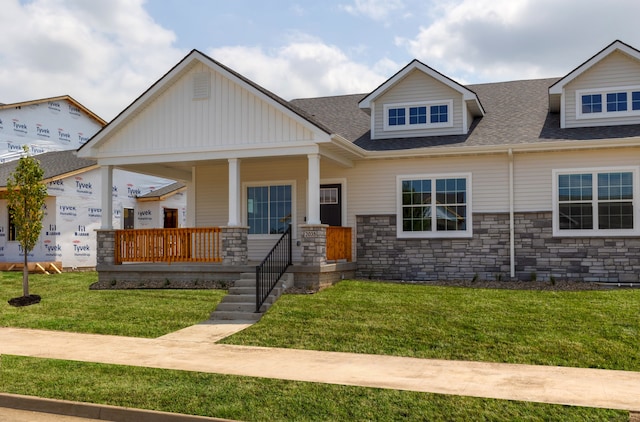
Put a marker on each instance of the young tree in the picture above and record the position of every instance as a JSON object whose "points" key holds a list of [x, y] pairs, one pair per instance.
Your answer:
{"points": [[26, 194]]}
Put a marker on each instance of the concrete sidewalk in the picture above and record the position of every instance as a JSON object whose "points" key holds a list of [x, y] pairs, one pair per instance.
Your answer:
{"points": [[194, 349]]}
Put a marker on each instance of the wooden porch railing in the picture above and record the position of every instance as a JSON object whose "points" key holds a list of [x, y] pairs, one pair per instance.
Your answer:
{"points": [[338, 243], [196, 244]]}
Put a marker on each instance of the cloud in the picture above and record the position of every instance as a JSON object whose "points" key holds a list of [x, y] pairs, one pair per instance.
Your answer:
{"points": [[104, 53], [305, 68], [493, 40], [374, 9]]}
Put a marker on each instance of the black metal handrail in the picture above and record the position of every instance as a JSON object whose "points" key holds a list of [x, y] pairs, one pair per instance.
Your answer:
{"points": [[272, 267]]}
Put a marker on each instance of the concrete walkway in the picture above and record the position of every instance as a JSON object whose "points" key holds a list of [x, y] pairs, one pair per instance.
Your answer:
{"points": [[194, 349]]}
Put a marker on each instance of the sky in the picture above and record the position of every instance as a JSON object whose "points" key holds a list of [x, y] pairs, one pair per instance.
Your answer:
{"points": [[105, 53]]}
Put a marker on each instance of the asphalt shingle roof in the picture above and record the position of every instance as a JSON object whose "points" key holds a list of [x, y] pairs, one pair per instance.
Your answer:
{"points": [[56, 163], [517, 112], [158, 193]]}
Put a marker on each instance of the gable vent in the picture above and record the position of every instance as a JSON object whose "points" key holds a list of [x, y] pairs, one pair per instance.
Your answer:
{"points": [[201, 86]]}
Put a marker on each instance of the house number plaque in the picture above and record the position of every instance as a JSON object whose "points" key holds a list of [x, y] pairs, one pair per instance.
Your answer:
{"points": [[311, 234]]}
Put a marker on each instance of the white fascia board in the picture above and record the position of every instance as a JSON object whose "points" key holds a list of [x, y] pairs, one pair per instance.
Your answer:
{"points": [[252, 151], [615, 46]]}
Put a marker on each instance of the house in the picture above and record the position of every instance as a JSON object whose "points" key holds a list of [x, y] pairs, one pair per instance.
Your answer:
{"points": [[422, 179], [48, 124], [73, 212], [53, 128]]}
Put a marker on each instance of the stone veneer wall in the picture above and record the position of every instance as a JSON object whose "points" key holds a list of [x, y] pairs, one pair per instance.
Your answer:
{"points": [[540, 256]]}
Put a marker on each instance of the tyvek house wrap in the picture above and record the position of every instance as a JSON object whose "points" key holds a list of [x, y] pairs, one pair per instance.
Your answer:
{"points": [[73, 211]]}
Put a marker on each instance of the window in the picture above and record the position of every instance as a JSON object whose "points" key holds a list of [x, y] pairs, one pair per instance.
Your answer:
{"points": [[595, 202], [617, 101], [328, 196], [592, 103], [423, 115], [396, 116], [269, 209], [434, 206], [620, 101], [417, 115], [635, 100], [439, 114]]}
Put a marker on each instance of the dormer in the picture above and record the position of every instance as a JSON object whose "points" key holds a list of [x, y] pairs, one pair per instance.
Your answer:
{"points": [[419, 101], [603, 91]]}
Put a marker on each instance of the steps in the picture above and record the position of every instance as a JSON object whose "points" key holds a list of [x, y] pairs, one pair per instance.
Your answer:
{"points": [[240, 303]]}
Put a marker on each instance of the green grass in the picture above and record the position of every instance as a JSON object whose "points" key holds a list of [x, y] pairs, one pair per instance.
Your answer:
{"points": [[594, 329], [585, 329], [256, 399], [68, 305]]}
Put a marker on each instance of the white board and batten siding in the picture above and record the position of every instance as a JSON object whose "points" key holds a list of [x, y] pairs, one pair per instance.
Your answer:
{"points": [[617, 70], [418, 87], [183, 119]]}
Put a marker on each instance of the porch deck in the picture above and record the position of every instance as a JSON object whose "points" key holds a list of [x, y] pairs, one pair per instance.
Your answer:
{"points": [[213, 257]]}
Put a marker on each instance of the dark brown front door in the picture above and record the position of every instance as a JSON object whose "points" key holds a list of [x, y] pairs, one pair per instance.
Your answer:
{"points": [[170, 218], [331, 204]]}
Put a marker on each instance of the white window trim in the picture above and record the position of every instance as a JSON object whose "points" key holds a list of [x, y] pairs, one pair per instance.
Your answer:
{"points": [[245, 201], [597, 232], [406, 106], [604, 113], [434, 233]]}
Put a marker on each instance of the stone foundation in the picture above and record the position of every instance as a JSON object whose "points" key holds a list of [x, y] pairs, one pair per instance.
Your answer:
{"points": [[485, 256]]}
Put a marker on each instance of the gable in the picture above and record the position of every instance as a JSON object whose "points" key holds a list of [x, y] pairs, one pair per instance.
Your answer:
{"points": [[617, 73], [421, 91], [52, 124], [202, 107]]}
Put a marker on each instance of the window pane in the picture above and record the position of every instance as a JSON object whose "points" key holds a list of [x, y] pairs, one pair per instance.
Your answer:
{"points": [[257, 209], [439, 114], [416, 219], [417, 115], [613, 186], [575, 187], [617, 101], [615, 215], [451, 218], [635, 100], [576, 216], [396, 116], [592, 103]]}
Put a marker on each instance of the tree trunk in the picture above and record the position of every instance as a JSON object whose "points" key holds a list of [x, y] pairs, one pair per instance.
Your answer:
{"points": [[25, 276]]}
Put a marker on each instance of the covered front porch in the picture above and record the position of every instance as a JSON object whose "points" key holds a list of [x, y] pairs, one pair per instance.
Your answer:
{"points": [[213, 257]]}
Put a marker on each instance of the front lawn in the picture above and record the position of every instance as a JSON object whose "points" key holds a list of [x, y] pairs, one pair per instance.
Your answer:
{"points": [[591, 328], [574, 328], [68, 305]]}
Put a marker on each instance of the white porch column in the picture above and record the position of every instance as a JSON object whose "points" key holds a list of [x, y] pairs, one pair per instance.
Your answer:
{"points": [[191, 199], [106, 173], [313, 190], [234, 192]]}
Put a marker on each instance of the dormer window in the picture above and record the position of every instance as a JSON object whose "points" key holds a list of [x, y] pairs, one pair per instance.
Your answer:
{"points": [[610, 102], [422, 115]]}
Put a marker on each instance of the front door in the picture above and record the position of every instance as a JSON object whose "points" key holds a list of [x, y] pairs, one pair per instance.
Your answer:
{"points": [[331, 204], [170, 218], [129, 218]]}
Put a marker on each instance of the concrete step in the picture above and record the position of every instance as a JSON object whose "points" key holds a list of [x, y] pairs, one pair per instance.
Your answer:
{"points": [[239, 304], [236, 306], [245, 299], [235, 316]]}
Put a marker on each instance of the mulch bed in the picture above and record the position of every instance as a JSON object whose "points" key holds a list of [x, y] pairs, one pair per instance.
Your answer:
{"points": [[24, 300]]}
